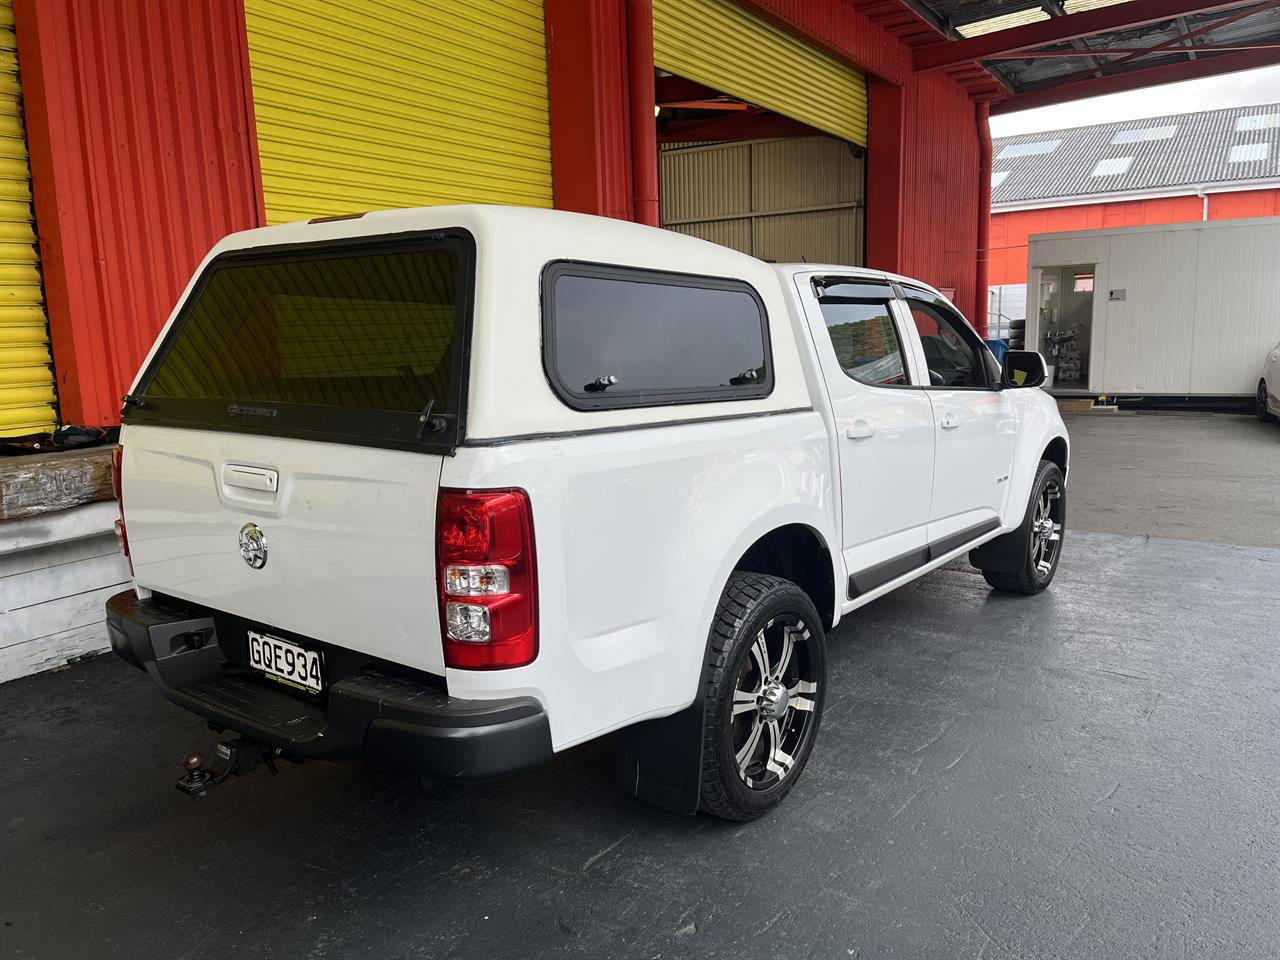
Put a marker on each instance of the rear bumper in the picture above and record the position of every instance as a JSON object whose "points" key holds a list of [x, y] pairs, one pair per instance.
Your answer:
{"points": [[375, 711]]}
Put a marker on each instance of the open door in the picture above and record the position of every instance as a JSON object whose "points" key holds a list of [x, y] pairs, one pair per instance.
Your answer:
{"points": [[1066, 324]]}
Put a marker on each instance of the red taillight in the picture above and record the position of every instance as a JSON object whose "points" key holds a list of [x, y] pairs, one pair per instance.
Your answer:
{"points": [[488, 579], [117, 484]]}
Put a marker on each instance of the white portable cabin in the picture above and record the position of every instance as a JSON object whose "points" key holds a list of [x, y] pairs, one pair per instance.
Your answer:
{"points": [[1182, 309]]}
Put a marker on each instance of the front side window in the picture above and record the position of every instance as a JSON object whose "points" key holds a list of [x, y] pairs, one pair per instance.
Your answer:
{"points": [[865, 341], [618, 337], [951, 350]]}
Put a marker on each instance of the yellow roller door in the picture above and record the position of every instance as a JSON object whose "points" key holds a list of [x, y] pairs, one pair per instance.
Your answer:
{"points": [[26, 373], [399, 103], [721, 45]]}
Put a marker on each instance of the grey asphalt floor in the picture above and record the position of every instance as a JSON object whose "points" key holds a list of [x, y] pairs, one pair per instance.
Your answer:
{"points": [[1088, 773], [1192, 476]]}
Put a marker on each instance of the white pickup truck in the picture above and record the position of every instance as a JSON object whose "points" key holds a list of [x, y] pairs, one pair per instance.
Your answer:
{"points": [[464, 487]]}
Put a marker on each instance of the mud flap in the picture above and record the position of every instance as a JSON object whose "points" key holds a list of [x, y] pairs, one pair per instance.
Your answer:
{"points": [[660, 761], [1005, 554]]}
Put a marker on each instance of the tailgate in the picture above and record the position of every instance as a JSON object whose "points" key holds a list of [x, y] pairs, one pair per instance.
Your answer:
{"points": [[349, 535], [283, 446]]}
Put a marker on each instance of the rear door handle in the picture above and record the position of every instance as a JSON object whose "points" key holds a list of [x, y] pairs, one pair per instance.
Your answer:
{"points": [[250, 478], [949, 421], [861, 430]]}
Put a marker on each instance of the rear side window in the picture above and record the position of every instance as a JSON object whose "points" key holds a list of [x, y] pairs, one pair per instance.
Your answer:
{"points": [[865, 338], [318, 341], [618, 337]]}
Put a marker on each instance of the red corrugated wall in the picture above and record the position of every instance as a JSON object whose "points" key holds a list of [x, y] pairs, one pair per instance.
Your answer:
{"points": [[940, 192], [1010, 231], [838, 28], [143, 155]]}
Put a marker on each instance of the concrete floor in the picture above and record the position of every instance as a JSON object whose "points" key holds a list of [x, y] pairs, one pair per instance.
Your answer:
{"points": [[1216, 476], [1087, 773]]}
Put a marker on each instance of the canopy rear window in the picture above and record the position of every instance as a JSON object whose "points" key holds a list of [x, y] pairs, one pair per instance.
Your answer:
{"points": [[352, 344]]}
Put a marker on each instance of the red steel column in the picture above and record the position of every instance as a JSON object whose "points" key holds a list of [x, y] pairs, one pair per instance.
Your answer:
{"points": [[644, 127], [885, 160], [980, 296], [590, 110]]}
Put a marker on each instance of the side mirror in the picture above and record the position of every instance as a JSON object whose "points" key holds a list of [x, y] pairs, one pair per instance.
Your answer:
{"points": [[1022, 368]]}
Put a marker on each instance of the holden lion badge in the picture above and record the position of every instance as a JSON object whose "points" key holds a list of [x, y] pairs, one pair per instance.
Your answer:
{"points": [[253, 545]]}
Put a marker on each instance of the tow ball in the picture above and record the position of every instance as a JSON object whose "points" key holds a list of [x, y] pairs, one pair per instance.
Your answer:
{"points": [[232, 758]]}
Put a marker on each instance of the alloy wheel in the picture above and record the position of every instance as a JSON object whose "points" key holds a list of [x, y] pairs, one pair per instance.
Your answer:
{"points": [[773, 703], [1046, 529]]}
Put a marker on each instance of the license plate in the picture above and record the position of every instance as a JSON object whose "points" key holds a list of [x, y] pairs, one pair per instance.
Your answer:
{"points": [[286, 662]]}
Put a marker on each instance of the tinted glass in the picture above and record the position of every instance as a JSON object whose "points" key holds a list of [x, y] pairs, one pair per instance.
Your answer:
{"points": [[950, 350], [371, 332], [865, 342], [630, 339]]}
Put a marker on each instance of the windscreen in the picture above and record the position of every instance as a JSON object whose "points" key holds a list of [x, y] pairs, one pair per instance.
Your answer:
{"points": [[372, 332]]}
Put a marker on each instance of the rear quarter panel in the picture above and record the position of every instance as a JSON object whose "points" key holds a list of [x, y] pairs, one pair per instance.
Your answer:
{"points": [[637, 532]]}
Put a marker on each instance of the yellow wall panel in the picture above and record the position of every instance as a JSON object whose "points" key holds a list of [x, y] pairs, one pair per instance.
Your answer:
{"points": [[721, 45], [399, 103], [26, 373]]}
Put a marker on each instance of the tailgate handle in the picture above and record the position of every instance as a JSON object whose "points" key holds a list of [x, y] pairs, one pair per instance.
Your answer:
{"points": [[250, 478]]}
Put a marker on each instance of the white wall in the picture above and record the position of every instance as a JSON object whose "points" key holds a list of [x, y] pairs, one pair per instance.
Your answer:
{"points": [[56, 572], [1201, 307]]}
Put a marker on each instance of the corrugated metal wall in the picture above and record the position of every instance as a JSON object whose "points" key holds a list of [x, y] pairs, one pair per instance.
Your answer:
{"points": [[940, 186], [848, 33], [721, 45], [26, 374], [784, 200], [399, 103], [142, 159]]}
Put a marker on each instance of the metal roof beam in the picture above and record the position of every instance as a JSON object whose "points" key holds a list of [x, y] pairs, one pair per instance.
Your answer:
{"points": [[1120, 51], [1086, 23], [1165, 46], [1055, 9], [1204, 66]]}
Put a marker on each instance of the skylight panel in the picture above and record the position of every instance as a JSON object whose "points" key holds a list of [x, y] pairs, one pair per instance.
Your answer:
{"points": [[1076, 6], [998, 178], [1246, 152], [1032, 149], [1112, 166], [1258, 121], [1142, 134], [1006, 22]]}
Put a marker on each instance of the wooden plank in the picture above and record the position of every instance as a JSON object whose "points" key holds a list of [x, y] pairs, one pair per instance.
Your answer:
{"points": [[48, 584], [56, 554], [43, 530], [46, 482], [51, 652], [48, 619]]}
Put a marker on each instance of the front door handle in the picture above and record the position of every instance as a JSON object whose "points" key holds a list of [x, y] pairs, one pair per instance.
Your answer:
{"points": [[949, 421], [861, 430]]}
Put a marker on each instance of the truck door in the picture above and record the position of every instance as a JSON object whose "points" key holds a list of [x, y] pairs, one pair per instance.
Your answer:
{"points": [[884, 427], [975, 424]]}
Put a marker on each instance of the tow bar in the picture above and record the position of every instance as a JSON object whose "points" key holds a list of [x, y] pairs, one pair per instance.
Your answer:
{"points": [[233, 758]]}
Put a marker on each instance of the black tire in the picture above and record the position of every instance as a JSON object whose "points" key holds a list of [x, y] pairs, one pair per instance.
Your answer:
{"points": [[1260, 409], [783, 718], [1041, 549]]}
